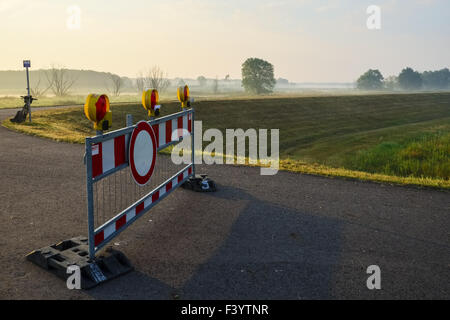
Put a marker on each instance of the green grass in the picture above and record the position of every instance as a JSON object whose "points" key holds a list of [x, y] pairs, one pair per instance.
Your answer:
{"points": [[402, 136], [427, 155]]}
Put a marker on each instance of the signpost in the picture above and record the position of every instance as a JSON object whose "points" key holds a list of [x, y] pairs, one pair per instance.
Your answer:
{"points": [[27, 64]]}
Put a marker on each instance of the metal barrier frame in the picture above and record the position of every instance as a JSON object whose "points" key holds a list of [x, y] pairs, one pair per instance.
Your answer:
{"points": [[114, 226]]}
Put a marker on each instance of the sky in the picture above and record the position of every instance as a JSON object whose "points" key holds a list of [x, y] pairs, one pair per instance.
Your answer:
{"points": [[305, 40]]}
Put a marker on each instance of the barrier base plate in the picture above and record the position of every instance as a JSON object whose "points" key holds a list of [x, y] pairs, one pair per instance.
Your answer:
{"points": [[58, 257], [200, 183]]}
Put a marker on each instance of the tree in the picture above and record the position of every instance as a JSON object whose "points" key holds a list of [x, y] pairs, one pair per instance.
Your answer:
{"points": [[409, 79], [282, 82], [215, 87], [257, 76], [59, 80], [371, 80], [201, 81], [140, 83], [181, 83], [156, 79], [37, 91], [117, 84], [436, 79], [391, 83]]}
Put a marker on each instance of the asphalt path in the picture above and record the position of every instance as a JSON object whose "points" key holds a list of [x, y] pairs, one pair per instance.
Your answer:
{"points": [[288, 236]]}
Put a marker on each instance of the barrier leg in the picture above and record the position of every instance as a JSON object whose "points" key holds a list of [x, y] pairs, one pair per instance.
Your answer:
{"points": [[57, 258], [201, 182], [80, 251]]}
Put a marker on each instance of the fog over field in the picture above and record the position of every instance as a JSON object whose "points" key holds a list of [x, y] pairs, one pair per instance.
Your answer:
{"points": [[12, 83]]}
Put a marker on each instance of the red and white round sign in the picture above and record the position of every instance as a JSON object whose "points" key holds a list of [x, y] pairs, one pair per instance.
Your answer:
{"points": [[142, 153]]}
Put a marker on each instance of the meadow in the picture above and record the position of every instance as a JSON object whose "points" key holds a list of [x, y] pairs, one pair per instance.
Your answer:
{"points": [[402, 136]]}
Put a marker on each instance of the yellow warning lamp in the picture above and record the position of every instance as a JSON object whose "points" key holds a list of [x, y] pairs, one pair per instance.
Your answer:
{"points": [[183, 97], [150, 102], [97, 110]]}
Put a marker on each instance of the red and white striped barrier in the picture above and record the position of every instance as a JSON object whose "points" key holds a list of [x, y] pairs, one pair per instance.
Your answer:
{"points": [[111, 154], [172, 130], [125, 218]]}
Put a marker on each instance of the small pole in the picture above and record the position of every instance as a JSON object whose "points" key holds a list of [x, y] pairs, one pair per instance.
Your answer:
{"points": [[28, 90], [129, 120]]}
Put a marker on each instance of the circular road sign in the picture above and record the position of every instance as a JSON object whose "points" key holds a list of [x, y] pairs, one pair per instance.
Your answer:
{"points": [[142, 153]]}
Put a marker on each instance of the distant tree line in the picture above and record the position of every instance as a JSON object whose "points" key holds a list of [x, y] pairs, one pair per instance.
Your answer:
{"points": [[60, 81], [408, 79]]}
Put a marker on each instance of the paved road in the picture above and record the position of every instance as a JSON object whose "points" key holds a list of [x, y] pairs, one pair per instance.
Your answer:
{"points": [[290, 236]]}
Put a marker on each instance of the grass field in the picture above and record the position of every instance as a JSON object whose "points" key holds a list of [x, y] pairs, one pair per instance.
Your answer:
{"points": [[401, 138]]}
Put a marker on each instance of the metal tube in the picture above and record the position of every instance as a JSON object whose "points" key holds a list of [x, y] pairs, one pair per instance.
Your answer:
{"points": [[28, 89], [90, 200], [193, 142], [129, 120]]}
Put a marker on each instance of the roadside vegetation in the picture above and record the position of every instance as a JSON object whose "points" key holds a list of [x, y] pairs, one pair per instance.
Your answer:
{"points": [[426, 155]]}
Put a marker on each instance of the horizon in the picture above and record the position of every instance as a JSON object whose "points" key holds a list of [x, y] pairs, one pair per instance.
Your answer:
{"points": [[169, 78], [306, 41]]}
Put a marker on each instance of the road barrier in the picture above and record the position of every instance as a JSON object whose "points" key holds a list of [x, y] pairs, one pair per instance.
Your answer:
{"points": [[127, 173], [110, 159]]}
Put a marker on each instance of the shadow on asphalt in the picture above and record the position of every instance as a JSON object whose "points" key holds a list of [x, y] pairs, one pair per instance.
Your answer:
{"points": [[133, 286], [271, 252]]}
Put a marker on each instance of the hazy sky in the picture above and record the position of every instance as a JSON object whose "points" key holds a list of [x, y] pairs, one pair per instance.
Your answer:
{"points": [[305, 40]]}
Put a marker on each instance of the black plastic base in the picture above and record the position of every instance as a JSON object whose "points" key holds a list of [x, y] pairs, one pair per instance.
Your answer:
{"points": [[58, 257], [21, 116], [200, 183]]}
